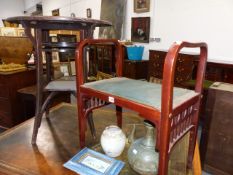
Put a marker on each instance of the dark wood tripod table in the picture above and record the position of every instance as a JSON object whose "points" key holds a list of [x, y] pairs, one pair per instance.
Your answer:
{"points": [[41, 42]]}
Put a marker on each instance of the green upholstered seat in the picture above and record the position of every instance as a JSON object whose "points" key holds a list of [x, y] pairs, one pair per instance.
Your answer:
{"points": [[139, 91]]}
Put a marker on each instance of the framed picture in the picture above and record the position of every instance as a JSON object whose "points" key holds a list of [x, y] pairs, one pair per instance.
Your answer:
{"points": [[88, 13], [55, 57], [21, 32], [72, 68], [141, 6], [55, 12], [53, 38], [88, 161], [140, 29], [65, 68]]}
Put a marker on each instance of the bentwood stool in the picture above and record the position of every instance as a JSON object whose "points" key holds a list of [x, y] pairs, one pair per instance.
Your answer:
{"points": [[173, 110]]}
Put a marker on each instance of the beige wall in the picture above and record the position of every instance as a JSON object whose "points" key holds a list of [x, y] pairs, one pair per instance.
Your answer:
{"points": [[193, 20]]}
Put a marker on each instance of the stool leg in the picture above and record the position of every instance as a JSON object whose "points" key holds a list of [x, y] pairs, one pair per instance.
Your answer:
{"points": [[38, 117], [192, 141], [119, 116], [47, 111], [196, 161], [89, 116], [81, 120], [91, 124], [36, 126]]}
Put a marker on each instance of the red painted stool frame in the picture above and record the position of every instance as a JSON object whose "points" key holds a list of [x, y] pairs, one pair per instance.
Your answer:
{"points": [[171, 123]]}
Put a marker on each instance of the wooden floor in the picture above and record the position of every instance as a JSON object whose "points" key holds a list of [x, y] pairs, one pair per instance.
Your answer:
{"points": [[58, 141]]}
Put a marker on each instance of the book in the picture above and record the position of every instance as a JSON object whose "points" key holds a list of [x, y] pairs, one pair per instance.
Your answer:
{"points": [[90, 162]]}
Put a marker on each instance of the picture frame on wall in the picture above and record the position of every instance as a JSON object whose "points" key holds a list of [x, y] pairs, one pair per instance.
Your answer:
{"points": [[140, 29], [55, 57], [55, 12], [141, 6], [65, 68], [21, 32], [88, 10]]}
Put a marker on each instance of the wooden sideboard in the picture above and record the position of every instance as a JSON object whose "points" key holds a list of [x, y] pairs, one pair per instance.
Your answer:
{"points": [[221, 72], [187, 64], [217, 136], [184, 67], [11, 109]]}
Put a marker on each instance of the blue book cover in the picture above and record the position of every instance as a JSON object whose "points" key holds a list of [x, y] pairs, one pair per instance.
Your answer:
{"points": [[90, 162]]}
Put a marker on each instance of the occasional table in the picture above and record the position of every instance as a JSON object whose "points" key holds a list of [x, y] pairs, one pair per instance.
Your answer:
{"points": [[39, 36]]}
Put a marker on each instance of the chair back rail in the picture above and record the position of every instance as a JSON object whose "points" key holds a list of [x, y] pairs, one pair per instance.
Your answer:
{"points": [[80, 54]]}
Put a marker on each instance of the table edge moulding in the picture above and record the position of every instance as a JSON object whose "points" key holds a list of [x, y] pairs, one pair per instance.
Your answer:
{"points": [[172, 120], [40, 39]]}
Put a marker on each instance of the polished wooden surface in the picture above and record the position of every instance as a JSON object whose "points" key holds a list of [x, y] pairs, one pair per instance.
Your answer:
{"points": [[58, 142]]}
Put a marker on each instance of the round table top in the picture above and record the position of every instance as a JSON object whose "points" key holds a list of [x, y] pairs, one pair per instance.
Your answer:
{"points": [[58, 22]]}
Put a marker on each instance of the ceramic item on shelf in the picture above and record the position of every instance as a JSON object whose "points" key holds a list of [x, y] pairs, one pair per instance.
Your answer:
{"points": [[113, 141], [142, 156]]}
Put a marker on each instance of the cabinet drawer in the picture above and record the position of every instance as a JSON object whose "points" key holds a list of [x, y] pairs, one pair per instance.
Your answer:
{"points": [[5, 105], [4, 91]]}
